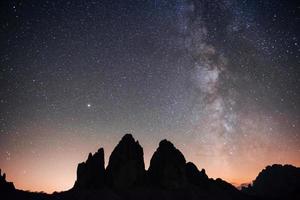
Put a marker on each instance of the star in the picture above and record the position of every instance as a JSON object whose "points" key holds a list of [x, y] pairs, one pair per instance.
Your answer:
{"points": [[221, 81]]}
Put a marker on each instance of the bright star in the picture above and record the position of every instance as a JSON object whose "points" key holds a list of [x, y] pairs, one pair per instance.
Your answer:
{"points": [[89, 105]]}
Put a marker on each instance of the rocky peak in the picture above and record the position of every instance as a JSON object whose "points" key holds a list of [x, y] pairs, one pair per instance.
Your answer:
{"points": [[126, 164], [167, 167], [4, 185], [196, 177], [2, 177], [276, 181], [90, 174]]}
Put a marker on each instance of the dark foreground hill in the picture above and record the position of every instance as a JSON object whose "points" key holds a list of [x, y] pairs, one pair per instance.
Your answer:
{"points": [[169, 177], [276, 182]]}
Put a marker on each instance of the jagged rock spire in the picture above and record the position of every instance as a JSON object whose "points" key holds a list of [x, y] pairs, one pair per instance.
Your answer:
{"points": [[167, 167], [168, 170], [90, 174], [126, 164], [4, 185]]}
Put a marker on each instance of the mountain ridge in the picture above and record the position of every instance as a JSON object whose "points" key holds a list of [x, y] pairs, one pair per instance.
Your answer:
{"points": [[169, 176]]}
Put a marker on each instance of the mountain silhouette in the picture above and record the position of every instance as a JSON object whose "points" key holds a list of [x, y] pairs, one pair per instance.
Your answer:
{"points": [[169, 177], [276, 182], [196, 177], [90, 174], [126, 166], [167, 167], [4, 185]]}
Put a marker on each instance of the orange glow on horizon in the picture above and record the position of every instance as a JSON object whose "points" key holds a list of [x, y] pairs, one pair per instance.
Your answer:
{"points": [[49, 176], [48, 163]]}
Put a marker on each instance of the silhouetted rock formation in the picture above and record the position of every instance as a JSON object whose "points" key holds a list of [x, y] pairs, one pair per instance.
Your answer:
{"points": [[167, 167], [4, 185], [276, 181], [224, 185], [90, 174], [126, 164], [195, 177], [169, 178]]}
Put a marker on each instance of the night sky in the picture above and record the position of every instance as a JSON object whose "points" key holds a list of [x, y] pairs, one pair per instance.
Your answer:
{"points": [[218, 78]]}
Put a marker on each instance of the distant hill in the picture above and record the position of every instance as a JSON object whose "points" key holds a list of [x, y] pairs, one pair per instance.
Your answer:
{"points": [[276, 182], [169, 177]]}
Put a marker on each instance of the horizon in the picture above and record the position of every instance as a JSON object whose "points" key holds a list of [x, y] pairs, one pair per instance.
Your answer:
{"points": [[47, 189], [218, 78]]}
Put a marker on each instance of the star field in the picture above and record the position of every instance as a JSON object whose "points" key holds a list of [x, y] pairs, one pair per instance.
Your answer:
{"points": [[220, 79]]}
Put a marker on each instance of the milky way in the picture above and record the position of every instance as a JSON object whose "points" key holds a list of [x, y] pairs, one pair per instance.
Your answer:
{"points": [[220, 79]]}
